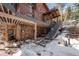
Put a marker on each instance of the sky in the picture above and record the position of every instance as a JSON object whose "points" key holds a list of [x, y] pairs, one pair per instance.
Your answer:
{"points": [[51, 5]]}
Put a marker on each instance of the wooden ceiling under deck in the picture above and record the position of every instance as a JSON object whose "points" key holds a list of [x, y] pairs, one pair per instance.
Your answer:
{"points": [[53, 13], [6, 18], [13, 19]]}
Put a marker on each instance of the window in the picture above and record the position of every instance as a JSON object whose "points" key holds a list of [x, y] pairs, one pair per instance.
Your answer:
{"points": [[29, 7], [0, 9], [45, 19], [30, 15], [14, 5]]}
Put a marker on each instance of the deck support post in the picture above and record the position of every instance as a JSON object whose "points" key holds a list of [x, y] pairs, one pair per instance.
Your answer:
{"points": [[35, 32]]}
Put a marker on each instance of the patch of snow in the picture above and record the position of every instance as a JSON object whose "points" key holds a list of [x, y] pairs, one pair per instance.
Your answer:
{"points": [[19, 52], [14, 44], [77, 26], [76, 47], [51, 49], [74, 43]]}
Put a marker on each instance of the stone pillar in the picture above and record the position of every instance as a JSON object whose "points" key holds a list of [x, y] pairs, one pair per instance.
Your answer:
{"points": [[18, 32]]}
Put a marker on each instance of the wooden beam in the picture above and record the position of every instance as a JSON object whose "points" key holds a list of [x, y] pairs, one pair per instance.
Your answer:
{"points": [[35, 34], [8, 11], [1, 21], [4, 19], [2, 7]]}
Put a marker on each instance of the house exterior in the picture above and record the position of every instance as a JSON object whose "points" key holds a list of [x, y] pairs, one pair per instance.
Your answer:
{"points": [[21, 21], [31, 9]]}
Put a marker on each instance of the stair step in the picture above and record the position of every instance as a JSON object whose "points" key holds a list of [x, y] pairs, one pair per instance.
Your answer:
{"points": [[50, 36], [53, 31]]}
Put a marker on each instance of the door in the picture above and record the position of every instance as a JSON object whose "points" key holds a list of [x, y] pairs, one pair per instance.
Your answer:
{"points": [[11, 34]]}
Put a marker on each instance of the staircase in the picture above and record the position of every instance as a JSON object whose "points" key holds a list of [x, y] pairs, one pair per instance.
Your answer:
{"points": [[53, 31], [51, 34]]}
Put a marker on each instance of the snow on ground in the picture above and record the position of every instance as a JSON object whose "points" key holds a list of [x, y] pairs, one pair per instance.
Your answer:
{"points": [[74, 43], [19, 52], [33, 50], [62, 51], [52, 48]]}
